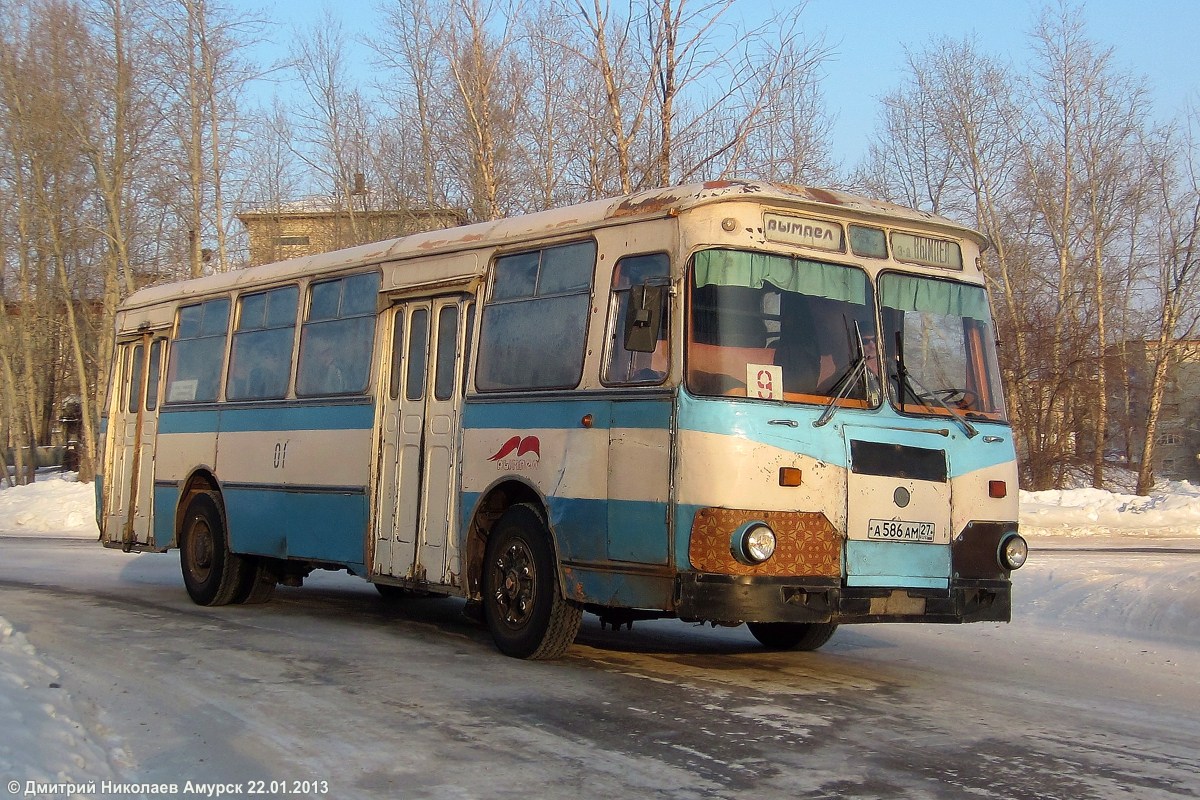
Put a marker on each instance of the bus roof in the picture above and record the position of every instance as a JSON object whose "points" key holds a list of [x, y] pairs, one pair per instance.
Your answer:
{"points": [[655, 203]]}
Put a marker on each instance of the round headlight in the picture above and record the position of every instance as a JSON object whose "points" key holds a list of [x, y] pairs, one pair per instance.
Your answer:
{"points": [[1013, 552], [753, 543]]}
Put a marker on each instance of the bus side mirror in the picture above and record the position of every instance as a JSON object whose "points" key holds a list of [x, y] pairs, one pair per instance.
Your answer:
{"points": [[644, 318]]}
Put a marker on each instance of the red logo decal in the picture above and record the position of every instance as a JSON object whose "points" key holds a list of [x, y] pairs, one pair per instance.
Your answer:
{"points": [[508, 447], [511, 456]]}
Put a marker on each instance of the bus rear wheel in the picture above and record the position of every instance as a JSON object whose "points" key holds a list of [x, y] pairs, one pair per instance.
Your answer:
{"points": [[212, 574], [526, 613], [792, 635], [258, 582]]}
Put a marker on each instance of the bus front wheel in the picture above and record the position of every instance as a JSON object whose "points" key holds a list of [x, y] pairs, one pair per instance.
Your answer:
{"points": [[212, 574], [792, 635], [526, 613]]}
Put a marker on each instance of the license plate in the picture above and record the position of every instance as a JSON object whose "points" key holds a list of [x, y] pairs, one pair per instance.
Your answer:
{"points": [[900, 530]]}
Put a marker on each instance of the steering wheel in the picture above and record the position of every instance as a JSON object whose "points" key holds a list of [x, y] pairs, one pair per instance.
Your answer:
{"points": [[952, 396]]}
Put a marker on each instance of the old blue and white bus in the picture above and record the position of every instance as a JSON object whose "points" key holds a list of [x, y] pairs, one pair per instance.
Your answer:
{"points": [[729, 402]]}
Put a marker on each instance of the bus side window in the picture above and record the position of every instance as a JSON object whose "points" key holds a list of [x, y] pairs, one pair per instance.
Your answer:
{"points": [[260, 361], [470, 337], [447, 349], [418, 345], [337, 336], [627, 366], [135, 378], [533, 329], [197, 358], [155, 374]]}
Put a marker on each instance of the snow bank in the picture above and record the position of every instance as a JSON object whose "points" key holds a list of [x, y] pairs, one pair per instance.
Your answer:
{"points": [[1172, 510], [57, 503], [43, 738]]}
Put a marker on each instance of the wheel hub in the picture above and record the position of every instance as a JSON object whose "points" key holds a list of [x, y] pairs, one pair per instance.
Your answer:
{"points": [[515, 585], [201, 551]]}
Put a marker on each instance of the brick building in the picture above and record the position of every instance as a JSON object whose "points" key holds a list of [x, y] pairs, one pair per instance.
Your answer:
{"points": [[308, 227], [1177, 443]]}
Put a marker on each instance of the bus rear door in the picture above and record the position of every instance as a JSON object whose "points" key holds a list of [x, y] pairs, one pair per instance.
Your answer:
{"points": [[129, 473]]}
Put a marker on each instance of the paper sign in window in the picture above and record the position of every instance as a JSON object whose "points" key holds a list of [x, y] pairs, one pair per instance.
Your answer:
{"points": [[764, 381]]}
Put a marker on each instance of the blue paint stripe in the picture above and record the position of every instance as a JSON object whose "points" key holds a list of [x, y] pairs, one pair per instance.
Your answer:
{"points": [[641, 414], [188, 421], [299, 418], [165, 499], [598, 530], [309, 417], [98, 490], [753, 421], [558, 413], [897, 564], [318, 526]]}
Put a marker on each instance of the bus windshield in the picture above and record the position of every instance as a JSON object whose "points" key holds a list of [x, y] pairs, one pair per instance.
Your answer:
{"points": [[779, 327], [940, 347]]}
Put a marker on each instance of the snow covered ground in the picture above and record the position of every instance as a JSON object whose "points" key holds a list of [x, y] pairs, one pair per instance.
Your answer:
{"points": [[1075, 584]]}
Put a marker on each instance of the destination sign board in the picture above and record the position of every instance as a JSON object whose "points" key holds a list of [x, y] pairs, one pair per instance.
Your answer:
{"points": [[804, 231], [926, 251]]}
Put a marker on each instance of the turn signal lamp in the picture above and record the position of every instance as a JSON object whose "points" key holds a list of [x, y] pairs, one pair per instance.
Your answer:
{"points": [[997, 489], [790, 476]]}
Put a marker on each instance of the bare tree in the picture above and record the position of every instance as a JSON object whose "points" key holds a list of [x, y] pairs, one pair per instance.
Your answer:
{"points": [[489, 86], [333, 129], [613, 48], [410, 46], [48, 182], [1177, 190]]}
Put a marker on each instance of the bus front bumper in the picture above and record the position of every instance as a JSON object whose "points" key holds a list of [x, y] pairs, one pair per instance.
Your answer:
{"points": [[731, 599]]}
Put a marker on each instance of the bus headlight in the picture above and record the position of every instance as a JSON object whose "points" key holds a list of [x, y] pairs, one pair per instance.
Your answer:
{"points": [[753, 543], [1013, 552]]}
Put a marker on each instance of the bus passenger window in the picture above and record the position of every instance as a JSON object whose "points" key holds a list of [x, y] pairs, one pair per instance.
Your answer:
{"points": [[135, 378], [260, 363], [337, 336], [626, 366], [155, 374], [447, 348], [418, 345], [534, 326], [198, 355]]}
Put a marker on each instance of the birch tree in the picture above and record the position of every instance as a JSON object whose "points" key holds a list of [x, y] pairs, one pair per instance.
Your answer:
{"points": [[1177, 248]]}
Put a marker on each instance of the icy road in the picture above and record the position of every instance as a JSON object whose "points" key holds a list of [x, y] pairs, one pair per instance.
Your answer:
{"points": [[1092, 692]]}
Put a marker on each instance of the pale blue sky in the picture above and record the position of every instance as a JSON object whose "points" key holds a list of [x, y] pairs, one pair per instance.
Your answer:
{"points": [[1157, 39]]}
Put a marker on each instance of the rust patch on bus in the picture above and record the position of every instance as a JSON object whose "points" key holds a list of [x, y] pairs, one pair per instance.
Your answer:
{"points": [[438, 244], [574, 586], [822, 196], [654, 204]]}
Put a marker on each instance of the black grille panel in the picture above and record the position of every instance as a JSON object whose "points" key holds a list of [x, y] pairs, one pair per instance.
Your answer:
{"points": [[898, 461]]}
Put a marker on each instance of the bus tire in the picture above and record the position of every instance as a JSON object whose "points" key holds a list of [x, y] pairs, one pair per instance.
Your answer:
{"points": [[258, 582], [792, 635], [212, 574], [526, 613]]}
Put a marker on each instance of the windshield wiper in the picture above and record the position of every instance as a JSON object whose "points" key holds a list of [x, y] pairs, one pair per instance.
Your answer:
{"points": [[905, 381], [857, 371]]}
